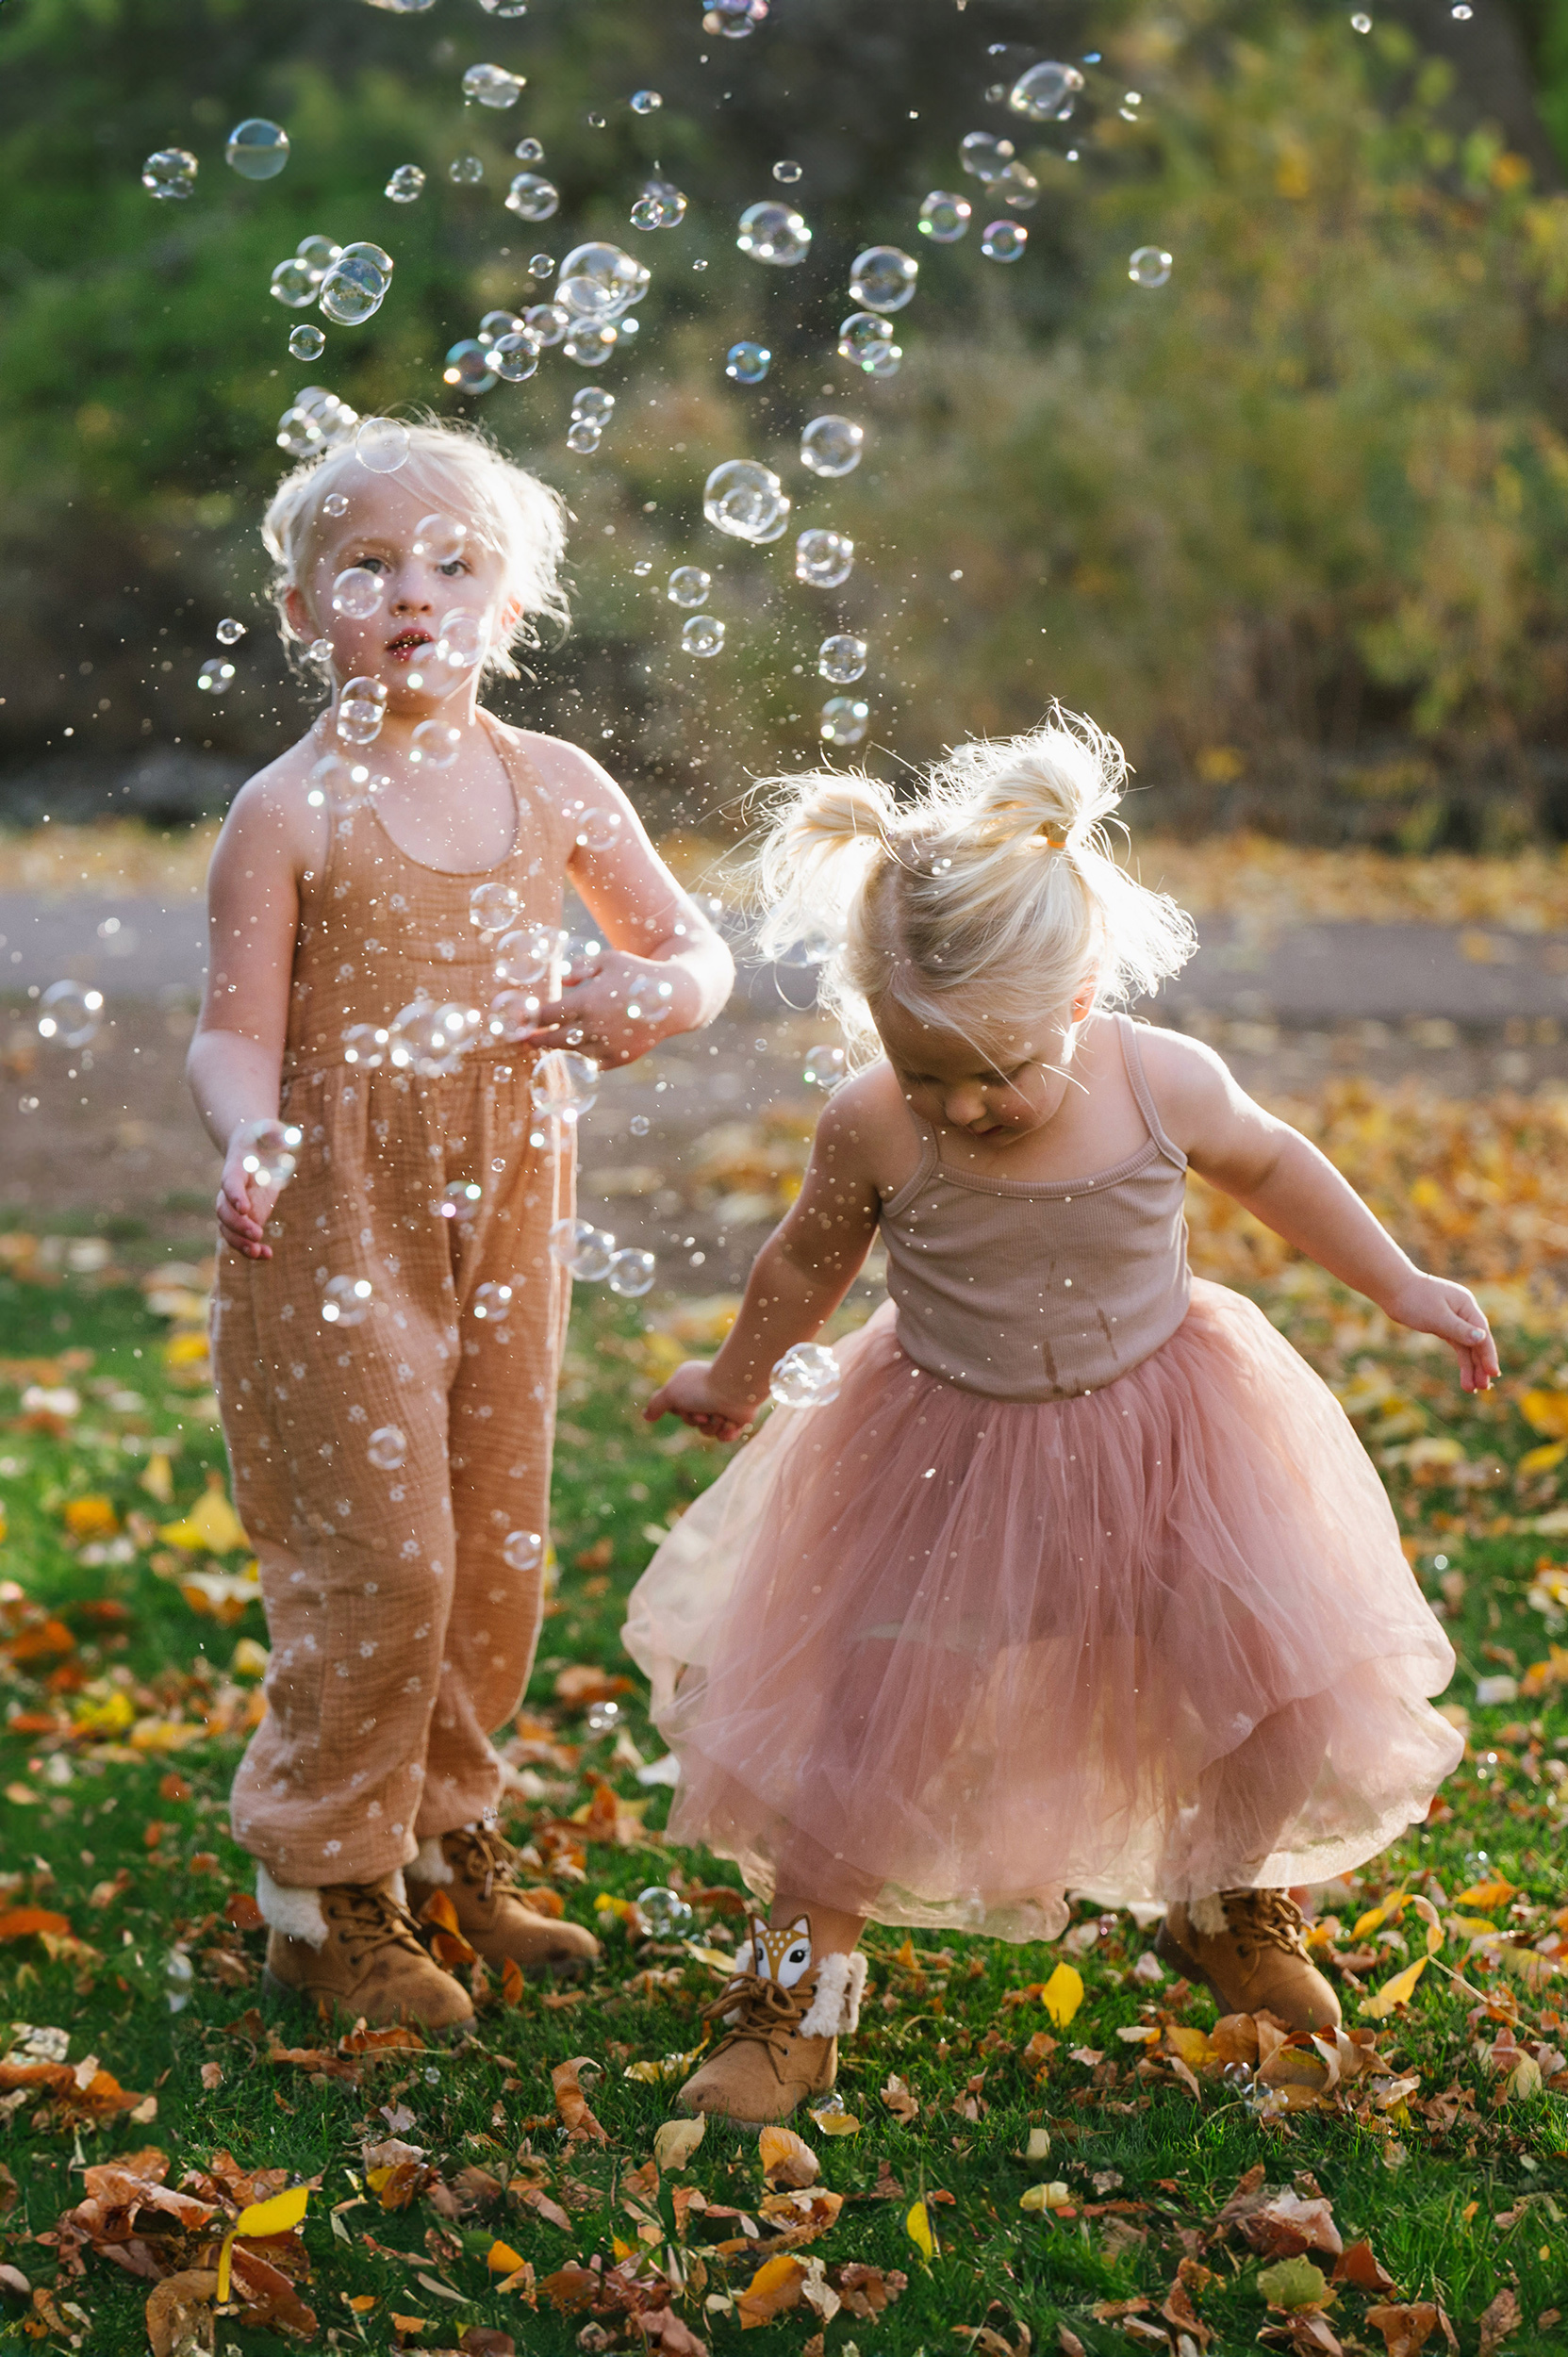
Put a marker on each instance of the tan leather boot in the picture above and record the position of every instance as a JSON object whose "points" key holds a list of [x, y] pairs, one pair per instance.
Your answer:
{"points": [[1250, 1947], [480, 1879], [783, 2017], [354, 1944]]}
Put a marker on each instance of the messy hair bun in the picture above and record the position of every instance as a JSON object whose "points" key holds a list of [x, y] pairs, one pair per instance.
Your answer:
{"points": [[983, 900]]}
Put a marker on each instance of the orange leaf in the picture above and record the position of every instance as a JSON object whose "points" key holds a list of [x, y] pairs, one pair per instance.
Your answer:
{"points": [[36, 1644], [512, 1982], [572, 2104], [787, 2158], [776, 2285], [24, 1923]]}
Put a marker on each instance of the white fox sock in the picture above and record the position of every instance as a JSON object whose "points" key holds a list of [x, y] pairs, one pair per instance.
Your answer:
{"points": [[431, 1865], [835, 2009]]}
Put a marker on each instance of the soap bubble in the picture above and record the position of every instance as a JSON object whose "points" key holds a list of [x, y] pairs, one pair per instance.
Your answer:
{"points": [[466, 171], [365, 1046], [317, 254], [306, 343], [787, 170], [271, 1159], [530, 152], [256, 149], [429, 1040], [590, 342], [661, 205], [564, 1084], [1003, 240], [294, 283], [361, 709], [843, 720], [664, 1912], [464, 640], [824, 1069], [1047, 93], [599, 830], [229, 633], [171, 172], [645, 102], [592, 401], [774, 233], [747, 501], [406, 184], [492, 1303], [524, 1550], [440, 539], [1361, 21], [586, 1250], [862, 334], [524, 956], [69, 1013], [436, 743], [336, 785], [599, 282], [841, 658], [467, 364], [1149, 265], [823, 559], [832, 446], [806, 1376], [531, 197], [215, 678], [388, 1449], [335, 505], [882, 278], [944, 217], [689, 585], [640, 1125], [703, 633], [497, 323], [515, 357], [350, 295], [540, 265], [382, 444], [548, 323], [583, 435], [458, 1201], [358, 593], [513, 1015], [492, 86], [492, 906], [346, 1300], [601, 1718], [632, 1273], [748, 364]]}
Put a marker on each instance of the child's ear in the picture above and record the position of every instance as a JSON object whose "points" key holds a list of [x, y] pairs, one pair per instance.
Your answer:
{"points": [[1084, 997], [298, 615]]}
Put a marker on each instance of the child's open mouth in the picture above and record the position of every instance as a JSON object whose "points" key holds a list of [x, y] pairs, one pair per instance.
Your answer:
{"points": [[407, 643]]}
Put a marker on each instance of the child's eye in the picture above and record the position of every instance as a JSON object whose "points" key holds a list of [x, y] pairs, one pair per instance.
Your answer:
{"points": [[370, 564], [454, 565]]}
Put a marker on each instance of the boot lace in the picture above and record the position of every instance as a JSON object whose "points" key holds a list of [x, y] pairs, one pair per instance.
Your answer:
{"points": [[367, 1918], [1270, 1919], [484, 1859], [768, 2015]]}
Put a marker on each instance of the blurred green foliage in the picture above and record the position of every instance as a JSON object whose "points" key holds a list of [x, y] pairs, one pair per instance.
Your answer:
{"points": [[1292, 526]]}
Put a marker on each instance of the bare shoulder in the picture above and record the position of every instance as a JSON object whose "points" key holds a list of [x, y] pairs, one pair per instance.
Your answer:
{"points": [[271, 817], [864, 1130], [560, 761], [1189, 1083]]}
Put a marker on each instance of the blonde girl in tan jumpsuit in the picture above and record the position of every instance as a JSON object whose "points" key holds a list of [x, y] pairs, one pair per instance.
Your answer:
{"points": [[391, 1463]]}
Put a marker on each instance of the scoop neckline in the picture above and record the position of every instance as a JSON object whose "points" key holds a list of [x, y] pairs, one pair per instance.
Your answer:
{"points": [[468, 875]]}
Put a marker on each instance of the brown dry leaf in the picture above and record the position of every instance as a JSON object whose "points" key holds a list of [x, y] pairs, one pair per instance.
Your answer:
{"points": [[787, 2158], [572, 2104], [267, 2297], [1406, 2326], [1499, 2320], [572, 2288], [179, 2314], [27, 1922], [1287, 2226], [664, 2330], [8, 2191], [447, 1943], [1068, 2343], [536, 2198], [1234, 2038], [583, 1682], [865, 2291], [1358, 2266], [360, 2040], [487, 2340], [1183, 2317], [1250, 2193], [13, 2280], [777, 2285], [904, 2105]]}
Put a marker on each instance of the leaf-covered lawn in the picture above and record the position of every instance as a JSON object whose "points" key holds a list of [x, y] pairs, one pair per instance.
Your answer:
{"points": [[1048, 2144]]}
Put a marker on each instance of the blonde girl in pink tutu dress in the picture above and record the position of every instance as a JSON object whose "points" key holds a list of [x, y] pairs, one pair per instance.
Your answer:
{"points": [[1081, 1581]]}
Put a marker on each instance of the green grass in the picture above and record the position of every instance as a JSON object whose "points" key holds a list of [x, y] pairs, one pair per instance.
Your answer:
{"points": [[1429, 2188]]}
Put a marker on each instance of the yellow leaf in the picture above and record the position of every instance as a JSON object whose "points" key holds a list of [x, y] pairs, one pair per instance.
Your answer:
{"points": [[279, 2216], [1052, 2197], [1063, 1995], [676, 2141], [1038, 2147], [622, 2249], [1387, 1911], [1547, 1413], [158, 1479], [502, 2259], [917, 2227], [1537, 1461], [1193, 2046], [1484, 1895], [1477, 1926], [92, 1517], [211, 1523], [788, 2157], [185, 1350], [1395, 1992], [840, 2123]]}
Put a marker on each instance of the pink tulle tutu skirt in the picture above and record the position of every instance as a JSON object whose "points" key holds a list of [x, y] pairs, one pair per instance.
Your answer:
{"points": [[942, 1660]]}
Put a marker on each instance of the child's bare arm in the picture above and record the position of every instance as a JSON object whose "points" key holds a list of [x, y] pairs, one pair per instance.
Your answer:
{"points": [[663, 958], [236, 1057], [1280, 1175], [798, 1279]]}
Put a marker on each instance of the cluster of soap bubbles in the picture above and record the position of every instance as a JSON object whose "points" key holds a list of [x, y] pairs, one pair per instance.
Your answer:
{"points": [[69, 1015], [590, 1253], [661, 205], [274, 1153], [347, 1300], [255, 149], [664, 1912], [348, 283], [807, 1375], [316, 421], [591, 413]]}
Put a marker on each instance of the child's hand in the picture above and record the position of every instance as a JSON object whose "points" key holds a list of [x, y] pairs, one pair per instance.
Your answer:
{"points": [[1433, 1306], [596, 994], [257, 1168], [692, 1395]]}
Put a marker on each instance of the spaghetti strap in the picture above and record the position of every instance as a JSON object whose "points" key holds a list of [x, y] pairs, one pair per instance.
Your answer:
{"points": [[1132, 1058]]}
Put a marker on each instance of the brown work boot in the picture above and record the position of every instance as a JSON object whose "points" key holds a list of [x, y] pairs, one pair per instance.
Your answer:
{"points": [[354, 1944], [477, 1871], [1250, 1947], [782, 2018]]}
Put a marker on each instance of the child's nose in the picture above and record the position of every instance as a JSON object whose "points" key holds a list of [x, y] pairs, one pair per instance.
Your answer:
{"points": [[410, 594], [964, 1106]]}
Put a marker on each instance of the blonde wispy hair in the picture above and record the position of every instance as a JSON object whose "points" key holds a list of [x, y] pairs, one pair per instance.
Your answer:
{"points": [[981, 903], [454, 469]]}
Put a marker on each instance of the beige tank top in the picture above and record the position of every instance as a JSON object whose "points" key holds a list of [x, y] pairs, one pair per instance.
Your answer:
{"points": [[1043, 1289]]}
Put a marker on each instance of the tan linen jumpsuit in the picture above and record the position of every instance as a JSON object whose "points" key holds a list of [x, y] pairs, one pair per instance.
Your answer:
{"points": [[400, 1635]]}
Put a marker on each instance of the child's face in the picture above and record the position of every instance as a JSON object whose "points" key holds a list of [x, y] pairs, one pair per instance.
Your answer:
{"points": [[990, 1083], [397, 643]]}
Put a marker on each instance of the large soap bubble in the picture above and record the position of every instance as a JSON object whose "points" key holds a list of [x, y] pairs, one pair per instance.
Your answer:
{"points": [[531, 197], [823, 558], [1003, 240], [1047, 93], [944, 217], [689, 585], [69, 1013], [774, 233], [843, 721], [862, 336], [748, 363], [1150, 266], [806, 1376], [382, 444], [746, 500], [430, 1041], [703, 633], [842, 658], [564, 1084], [406, 184], [492, 86], [600, 282], [171, 172], [832, 446], [256, 149]]}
